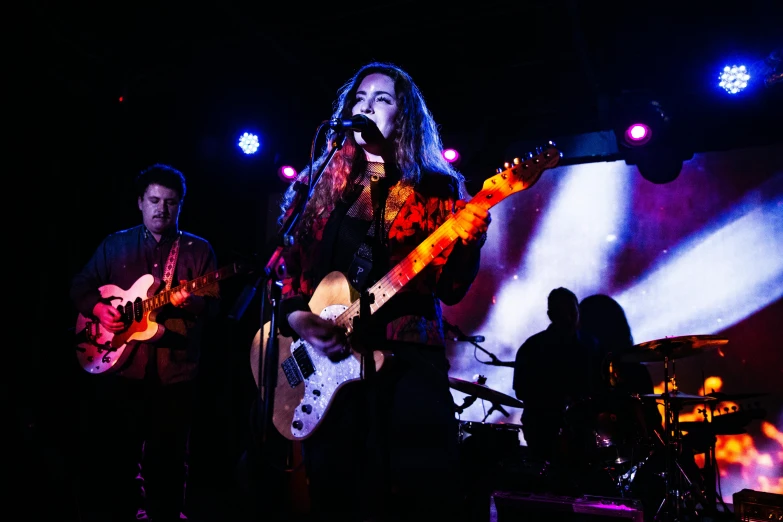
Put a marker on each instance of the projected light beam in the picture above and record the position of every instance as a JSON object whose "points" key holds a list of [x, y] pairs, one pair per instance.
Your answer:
{"points": [[573, 247], [714, 281]]}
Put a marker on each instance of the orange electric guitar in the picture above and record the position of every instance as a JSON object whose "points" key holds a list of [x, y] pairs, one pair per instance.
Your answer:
{"points": [[308, 380]]}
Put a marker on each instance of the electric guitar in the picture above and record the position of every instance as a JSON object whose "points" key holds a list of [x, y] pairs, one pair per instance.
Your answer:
{"points": [[307, 380], [101, 351]]}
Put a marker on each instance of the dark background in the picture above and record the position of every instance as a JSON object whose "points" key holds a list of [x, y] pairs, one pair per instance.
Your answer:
{"points": [[193, 77]]}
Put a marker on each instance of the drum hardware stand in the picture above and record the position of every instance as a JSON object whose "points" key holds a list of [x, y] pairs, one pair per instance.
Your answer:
{"points": [[672, 507], [710, 462], [712, 495]]}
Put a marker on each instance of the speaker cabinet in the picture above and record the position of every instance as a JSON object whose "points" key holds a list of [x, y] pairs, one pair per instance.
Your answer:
{"points": [[757, 506], [515, 506]]}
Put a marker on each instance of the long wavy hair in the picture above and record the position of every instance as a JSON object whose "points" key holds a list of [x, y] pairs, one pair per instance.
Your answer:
{"points": [[604, 318], [418, 148]]}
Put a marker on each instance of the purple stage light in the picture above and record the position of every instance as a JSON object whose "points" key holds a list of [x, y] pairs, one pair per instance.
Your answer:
{"points": [[637, 134]]}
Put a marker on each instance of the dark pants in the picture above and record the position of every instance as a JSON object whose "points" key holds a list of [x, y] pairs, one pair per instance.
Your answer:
{"points": [[387, 449], [134, 447]]}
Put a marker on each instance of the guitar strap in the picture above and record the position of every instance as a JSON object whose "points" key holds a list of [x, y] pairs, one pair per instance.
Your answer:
{"points": [[385, 207], [151, 371], [171, 263]]}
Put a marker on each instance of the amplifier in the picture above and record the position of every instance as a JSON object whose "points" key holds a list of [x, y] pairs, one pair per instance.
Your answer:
{"points": [[515, 506], [757, 506]]}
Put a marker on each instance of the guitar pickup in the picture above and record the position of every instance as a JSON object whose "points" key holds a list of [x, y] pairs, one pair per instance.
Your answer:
{"points": [[291, 371], [304, 362], [138, 309]]}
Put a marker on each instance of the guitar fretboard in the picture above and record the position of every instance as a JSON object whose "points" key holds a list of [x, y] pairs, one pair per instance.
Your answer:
{"points": [[164, 298]]}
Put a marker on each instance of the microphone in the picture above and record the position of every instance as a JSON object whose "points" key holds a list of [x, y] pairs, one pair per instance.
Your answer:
{"points": [[469, 338], [461, 337], [359, 122]]}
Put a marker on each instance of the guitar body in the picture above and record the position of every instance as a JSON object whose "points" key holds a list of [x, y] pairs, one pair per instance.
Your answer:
{"points": [[307, 380], [101, 351]]}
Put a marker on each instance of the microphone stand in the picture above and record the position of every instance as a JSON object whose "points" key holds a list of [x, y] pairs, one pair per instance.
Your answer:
{"points": [[495, 407], [465, 338], [494, 360], [268, 364]]}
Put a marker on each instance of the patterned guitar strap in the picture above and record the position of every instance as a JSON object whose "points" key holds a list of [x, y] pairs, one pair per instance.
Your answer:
{"points": [[383, 210], [168, 275], [171, 263]]}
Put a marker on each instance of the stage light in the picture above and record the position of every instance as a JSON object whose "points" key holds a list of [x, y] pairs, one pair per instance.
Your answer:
{"points": [[287, 173], [637, 134], [248, 143], [646, 136], [451, 155], [733, 79]]}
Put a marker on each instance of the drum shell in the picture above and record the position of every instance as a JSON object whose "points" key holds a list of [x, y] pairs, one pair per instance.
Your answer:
{"points": [[608, 428]]}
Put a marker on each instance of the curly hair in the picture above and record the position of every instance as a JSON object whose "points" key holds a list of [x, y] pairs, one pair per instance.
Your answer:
{"points": [[160, 174], [418, 146]]}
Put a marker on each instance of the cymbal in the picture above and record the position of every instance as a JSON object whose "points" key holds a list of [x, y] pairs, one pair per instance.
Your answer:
{"points": [[483, 392], [676, 396], [672, 347]]}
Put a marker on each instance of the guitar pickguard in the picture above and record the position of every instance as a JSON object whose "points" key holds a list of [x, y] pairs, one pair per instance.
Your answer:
{"points": [[321, 379]]}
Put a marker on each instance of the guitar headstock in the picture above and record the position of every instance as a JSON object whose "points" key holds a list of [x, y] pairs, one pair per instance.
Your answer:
{"points": [[522, 174]]}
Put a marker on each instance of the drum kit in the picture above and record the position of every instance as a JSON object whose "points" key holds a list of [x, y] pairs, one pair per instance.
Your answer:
{"points": [[644, 462]]}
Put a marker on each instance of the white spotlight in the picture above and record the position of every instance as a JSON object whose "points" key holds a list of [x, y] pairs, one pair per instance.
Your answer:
{"points": [[733, 79], [248, 143]]}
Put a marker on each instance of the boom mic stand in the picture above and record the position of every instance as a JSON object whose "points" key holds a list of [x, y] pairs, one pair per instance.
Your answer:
{"points": [[285, 238], [474, 340], [272, 273]]}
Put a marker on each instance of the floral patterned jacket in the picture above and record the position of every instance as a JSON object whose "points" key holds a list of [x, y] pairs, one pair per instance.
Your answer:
{"points": [[414, 313]]}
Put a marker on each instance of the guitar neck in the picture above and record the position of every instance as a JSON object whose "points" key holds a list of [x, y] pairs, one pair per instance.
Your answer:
{"points": [[163, 298], [421, 256], [519, 176]]}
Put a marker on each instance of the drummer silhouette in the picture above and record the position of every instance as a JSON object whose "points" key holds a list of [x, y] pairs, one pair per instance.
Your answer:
{"points": [[624, 391], [624, 423], [603, 319], [554, 368]]}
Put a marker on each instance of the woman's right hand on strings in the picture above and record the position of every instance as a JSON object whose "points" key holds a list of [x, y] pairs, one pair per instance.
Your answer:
{"points": [[109, 317], [322, 334]]}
